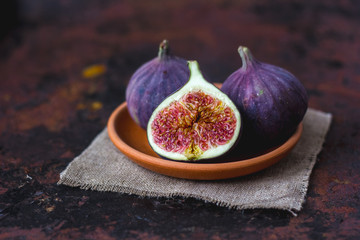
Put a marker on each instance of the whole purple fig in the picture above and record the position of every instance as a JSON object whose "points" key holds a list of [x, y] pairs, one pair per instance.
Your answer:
{"points": [[153, 82], [270, 99]]}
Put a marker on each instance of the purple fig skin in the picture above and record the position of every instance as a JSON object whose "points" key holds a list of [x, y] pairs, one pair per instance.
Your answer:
{"points": [[270, 99], [153, 82]]}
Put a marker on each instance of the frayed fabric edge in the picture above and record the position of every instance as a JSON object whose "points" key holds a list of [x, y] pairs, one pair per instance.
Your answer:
{"points": [[143, 194]]}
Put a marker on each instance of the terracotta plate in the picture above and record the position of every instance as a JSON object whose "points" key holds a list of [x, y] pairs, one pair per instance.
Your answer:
{"points": [[130, 139]]}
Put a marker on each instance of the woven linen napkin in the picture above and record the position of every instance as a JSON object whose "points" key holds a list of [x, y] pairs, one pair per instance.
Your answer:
{"points": [[103, 167]]}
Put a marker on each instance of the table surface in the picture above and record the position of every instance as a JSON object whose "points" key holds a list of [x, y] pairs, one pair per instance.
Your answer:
{"points": [[53, 102]]}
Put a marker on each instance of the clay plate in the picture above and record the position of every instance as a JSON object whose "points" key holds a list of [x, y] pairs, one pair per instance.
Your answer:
{"points": [[131, 140]]}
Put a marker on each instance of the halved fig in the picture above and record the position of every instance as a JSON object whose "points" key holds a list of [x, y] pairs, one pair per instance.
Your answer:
{"points": [[196, 122]]}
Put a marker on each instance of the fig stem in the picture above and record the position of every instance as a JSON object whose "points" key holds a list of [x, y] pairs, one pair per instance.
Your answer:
{"points": [[246, 57], [163, 49], [195, 72]]}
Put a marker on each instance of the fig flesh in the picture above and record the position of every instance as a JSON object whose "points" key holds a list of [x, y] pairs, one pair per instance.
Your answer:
{"points": [[153, 82], [270, 99], [196, 122]]}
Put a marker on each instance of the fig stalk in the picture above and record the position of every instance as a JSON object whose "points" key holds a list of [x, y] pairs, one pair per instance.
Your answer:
{"points": [[164, 50], [246, 57]]}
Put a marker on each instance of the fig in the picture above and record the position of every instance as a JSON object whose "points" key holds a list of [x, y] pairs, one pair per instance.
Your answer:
{"points": [[197, 122], [153, 82], [270, 99]]}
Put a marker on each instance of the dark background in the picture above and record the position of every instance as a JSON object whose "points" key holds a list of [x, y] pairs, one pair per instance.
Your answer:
{"points": [[50, 112]]}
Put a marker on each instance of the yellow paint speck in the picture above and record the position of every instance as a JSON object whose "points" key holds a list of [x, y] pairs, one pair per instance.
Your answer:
{"points": [[94, 71], [96, 105]]}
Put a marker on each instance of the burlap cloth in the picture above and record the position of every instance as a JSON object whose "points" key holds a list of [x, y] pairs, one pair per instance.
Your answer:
{"points": [[103, 167]]}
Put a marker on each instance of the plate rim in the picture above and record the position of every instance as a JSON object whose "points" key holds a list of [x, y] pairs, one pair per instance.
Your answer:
{"points": [[200, 171]]}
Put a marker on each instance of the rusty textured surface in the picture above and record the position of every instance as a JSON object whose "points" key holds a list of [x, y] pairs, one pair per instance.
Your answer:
{"points": [[49, 112]]}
